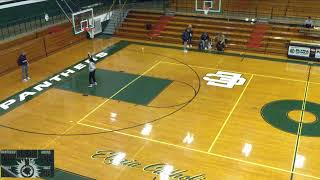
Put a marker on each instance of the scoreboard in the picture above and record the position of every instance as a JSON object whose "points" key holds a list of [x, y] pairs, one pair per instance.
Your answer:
{"points": [[27, 163]]}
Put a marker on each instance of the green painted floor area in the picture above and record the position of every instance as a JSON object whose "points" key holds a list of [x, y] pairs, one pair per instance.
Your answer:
{"points": [[65, 175], [103, 36], [142, 91], [109, 83]]}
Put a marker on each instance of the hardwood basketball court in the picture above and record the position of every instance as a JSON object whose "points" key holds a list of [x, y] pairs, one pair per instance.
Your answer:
{"points": [[154, 114]]}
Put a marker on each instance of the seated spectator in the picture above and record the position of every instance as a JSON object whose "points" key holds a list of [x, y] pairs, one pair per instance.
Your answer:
{"points": [[189, 30], [185, 38], [148, 26], [220, 42], [204, 41], [308, 23]]}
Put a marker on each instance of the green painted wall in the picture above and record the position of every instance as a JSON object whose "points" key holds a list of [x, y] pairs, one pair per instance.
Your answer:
{"points": [[21, 13], [25, 13]]}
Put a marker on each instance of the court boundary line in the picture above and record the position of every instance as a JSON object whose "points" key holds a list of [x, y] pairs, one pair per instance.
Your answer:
{"points": [[303, 109], [226, 53], [197, 150], [261, 75], [200, 151], [214, 153], [230, 113]]}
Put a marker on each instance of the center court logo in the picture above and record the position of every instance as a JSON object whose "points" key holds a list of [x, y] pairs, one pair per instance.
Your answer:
{"points": [[164, 171], [224, 79]]}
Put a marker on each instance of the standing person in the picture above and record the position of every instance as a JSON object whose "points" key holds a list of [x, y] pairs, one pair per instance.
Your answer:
{"points": [[190, 31], [185, 38], [92, 71], [23, 62]]}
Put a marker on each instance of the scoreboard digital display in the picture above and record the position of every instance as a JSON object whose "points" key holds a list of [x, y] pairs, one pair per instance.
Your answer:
{"points": [[27, 163]]}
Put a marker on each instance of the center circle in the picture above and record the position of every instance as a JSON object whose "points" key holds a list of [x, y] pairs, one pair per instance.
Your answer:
{"points": [[286, 115], [308, 117]]}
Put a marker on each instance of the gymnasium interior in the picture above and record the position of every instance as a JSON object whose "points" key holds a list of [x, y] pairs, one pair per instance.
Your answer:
{"points": [[160, 89]]}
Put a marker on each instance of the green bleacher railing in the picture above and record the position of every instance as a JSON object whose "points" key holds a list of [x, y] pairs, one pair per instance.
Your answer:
{"points": [[121, 8]]}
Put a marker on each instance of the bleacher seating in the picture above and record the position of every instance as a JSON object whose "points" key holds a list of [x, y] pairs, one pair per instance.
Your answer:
{"points": [[238, 33], [274, 8]]}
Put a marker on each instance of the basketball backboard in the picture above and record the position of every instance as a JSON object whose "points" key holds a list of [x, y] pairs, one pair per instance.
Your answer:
{"points": [[206, 6], [82, 20]]}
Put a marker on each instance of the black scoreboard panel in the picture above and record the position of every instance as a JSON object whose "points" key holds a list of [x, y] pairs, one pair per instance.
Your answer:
{"points": [[27, 163]]}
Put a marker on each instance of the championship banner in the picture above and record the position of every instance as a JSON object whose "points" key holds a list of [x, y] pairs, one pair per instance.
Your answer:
{"points": [[303, 50]]}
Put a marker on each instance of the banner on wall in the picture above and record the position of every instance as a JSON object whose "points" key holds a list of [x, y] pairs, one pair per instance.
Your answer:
{"points": [[301, 50]]}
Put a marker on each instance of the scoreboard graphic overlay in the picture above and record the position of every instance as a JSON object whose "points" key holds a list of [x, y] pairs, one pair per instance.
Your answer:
{"points": [[27, 163]]}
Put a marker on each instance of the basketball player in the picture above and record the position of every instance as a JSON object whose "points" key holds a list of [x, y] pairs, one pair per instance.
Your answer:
{"points": [[92, 71]]}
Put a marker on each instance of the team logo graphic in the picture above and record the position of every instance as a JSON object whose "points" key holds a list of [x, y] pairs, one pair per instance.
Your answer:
{"points": [[162, 170], [292, 51], [224, 79], [27, 168], [299, 51]]}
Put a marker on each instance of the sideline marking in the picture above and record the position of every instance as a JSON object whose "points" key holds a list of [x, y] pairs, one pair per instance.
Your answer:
{"points": [[303, 109], [200, 151]]}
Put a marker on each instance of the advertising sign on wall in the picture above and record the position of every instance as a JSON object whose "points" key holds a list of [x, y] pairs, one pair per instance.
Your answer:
{"points": [[303, 50]]}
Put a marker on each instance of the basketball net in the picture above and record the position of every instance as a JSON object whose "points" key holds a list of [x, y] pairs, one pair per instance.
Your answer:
{"points": [[206, 9], [90, 31]]}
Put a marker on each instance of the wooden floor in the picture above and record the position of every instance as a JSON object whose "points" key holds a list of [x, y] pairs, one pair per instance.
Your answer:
{"points": [[203, 131]]}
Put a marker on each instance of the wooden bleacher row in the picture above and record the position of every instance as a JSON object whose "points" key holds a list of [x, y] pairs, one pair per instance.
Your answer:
{"points": [[296, 8], [174, 37], [36, 46], [276, 30], [238, 33], [275, 40], [283, 28]]}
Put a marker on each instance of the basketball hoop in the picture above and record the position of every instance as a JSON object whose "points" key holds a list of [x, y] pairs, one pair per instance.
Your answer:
{"points": [[208, 6], [82, 19]]}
